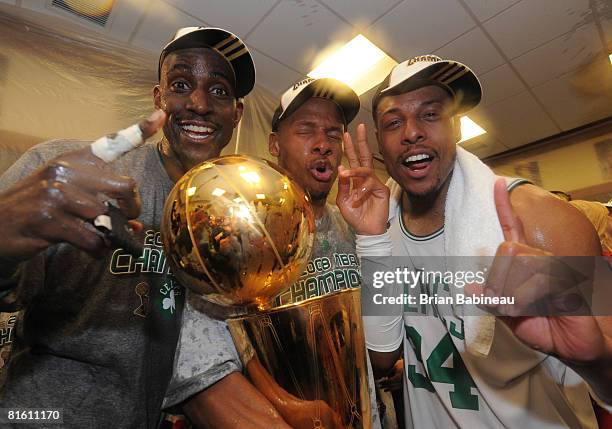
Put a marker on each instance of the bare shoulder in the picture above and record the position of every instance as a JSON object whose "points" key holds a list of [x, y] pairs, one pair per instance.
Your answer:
{"points": [[552, 224]]}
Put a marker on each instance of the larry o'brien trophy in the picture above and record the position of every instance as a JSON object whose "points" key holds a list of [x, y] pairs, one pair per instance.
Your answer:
{"points": [[237, 231]]}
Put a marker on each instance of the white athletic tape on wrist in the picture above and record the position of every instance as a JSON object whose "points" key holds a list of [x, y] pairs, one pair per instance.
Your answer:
{"points": [[109, 149]]}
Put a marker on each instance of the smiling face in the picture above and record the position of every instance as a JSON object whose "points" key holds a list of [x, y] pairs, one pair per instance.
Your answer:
{"points": [[196, 90], [417, 134], [308, 145]]}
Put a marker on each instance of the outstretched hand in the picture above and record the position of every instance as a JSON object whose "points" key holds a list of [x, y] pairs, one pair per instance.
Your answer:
{"points": [[365, 204], [57, 202], [536, 277]]}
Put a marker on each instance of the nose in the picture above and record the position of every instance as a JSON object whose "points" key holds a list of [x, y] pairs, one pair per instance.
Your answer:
{"points": [[413, 132], [199, 102], [321, 144]]}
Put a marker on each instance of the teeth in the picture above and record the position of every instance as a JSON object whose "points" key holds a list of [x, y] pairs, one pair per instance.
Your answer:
{"points": [[197, 129], [419, 157]]}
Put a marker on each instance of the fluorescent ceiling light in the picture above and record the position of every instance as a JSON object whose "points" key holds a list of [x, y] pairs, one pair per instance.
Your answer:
{"points": [[217, 192], [469, 129], [610, 56], [360, 64]]}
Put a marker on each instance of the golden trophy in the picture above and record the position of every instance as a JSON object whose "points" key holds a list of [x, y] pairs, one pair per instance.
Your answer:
{"points": [[237, 231]]}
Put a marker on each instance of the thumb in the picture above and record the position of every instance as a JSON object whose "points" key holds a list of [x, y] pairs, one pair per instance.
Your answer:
{"points": [[153, 123], [511, 225]]}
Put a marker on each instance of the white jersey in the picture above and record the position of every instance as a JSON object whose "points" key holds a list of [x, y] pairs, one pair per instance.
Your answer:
{"points": [[445, 387]]}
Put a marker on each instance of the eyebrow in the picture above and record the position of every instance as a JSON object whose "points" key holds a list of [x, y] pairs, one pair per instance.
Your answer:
{"points": [[185, 67], [308, 123], [425, 103]]}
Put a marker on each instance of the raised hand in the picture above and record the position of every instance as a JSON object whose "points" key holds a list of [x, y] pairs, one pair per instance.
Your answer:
{"points": [[366, 206], [57, 202], [544, 288]]}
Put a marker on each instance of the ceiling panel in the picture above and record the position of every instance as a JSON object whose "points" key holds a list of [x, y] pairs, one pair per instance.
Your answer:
{"points": [[518, 120], [483, 147], [571, 106], [485, 9], [160, 25], [297, 31], [124, 17], [364, 117], [417, 27], [499, 84], [560, 56], [366, 98], [474, 50], [360, 13], [272, 75], [531, 23], [218, 14]]}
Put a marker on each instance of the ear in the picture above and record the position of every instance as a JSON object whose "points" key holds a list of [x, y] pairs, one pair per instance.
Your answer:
{"points": [[238, 112], [157, 96], [273, 146], [377, 134], [456, 128]]}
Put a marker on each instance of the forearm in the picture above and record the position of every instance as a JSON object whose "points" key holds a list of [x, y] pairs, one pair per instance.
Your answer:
{"points": [[231, 403], [598, 374], [383, 362]]}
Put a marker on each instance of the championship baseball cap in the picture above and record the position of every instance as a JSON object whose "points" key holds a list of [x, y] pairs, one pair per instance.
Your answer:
{"points": [[227, 44], [302, 91], [424, 70]]}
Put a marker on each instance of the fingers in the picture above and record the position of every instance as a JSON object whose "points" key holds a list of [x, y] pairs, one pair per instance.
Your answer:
{"points": [[365, 155], [344, 185], [70, 178], [360, 155], [511, 225], [149, 126], [350, 151]]}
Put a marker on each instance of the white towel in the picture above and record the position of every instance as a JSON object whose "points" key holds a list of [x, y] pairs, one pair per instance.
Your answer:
{"points": [[471, 228]]}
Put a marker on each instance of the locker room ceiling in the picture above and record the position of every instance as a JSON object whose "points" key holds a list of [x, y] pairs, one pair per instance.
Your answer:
{"points": [[543, 64]]}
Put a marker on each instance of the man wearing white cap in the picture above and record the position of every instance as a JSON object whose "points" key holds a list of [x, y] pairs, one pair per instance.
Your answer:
{"points": [[307, 133], [464, 367], [100, 324]]}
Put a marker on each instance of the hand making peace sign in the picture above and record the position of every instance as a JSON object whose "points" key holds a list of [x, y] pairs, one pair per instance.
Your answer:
{"points": [[365, 204]]}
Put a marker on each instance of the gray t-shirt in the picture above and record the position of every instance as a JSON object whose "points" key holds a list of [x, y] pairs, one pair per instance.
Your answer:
{"points": [[333, 266], [98, 334]]}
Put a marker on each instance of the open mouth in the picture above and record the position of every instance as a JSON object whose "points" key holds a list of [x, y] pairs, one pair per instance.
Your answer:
{"points": [[322, 171], [418, 165], [197, 132]]}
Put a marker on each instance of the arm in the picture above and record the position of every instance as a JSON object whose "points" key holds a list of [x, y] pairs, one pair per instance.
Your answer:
{"points": [[230, 403], [42, 204], [570, 234], [206, 379], [537, 224]]}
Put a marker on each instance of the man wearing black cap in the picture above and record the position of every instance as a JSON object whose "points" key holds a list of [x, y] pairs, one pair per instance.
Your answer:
{"points": [[100, 325], [465, 367]]}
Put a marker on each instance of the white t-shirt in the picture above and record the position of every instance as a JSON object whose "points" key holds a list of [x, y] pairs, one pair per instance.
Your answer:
{"points": [[446, 387]]}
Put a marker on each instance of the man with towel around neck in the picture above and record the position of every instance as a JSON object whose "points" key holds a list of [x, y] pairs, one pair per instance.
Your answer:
{"points": [[472, 371]]}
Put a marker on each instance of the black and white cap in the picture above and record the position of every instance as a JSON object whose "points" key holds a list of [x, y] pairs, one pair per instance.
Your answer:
{"points": [[331, 89], [227, 44], [424, 70]]}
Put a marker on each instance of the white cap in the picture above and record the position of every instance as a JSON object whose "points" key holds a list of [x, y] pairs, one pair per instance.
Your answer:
{"points": [[424, 70], [331, 89]]}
